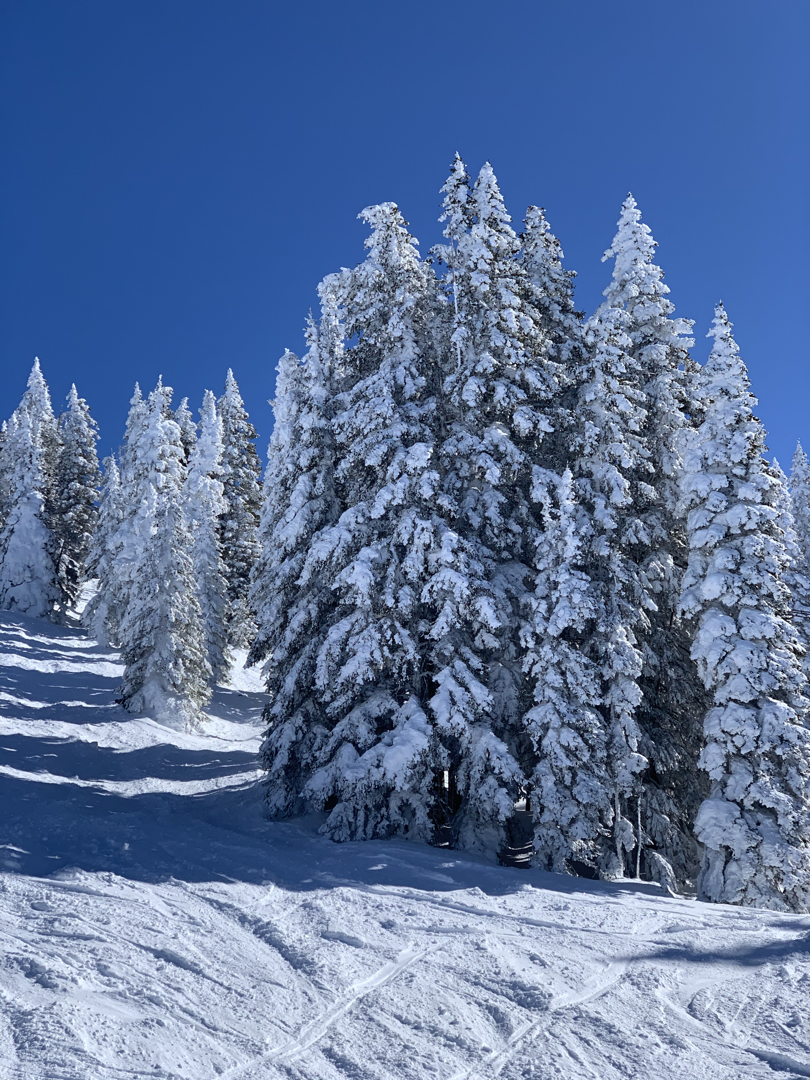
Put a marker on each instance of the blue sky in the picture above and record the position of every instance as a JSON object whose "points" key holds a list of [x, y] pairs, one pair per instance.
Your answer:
{"points": [[177, 176]]}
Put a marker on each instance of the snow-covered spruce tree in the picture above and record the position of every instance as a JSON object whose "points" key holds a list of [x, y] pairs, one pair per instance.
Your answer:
{"points": [[162, 637], [101, 562], [203, 503], [292, 592], [755, 824], [28, 469], [797, 574], [367, 750], [36, 401], [243, 499], [613, 470], [800, 500], [76, 492], [115, 563], [500, 380], [571, 785], [28, 582], [673, 701], [188, 429]]}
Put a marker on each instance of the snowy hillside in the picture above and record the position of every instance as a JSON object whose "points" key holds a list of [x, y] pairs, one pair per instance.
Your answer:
{"points": [[152, 924]]}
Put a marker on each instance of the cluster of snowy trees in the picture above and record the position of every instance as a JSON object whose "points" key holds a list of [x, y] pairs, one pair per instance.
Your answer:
{"points": [[169, 533], [516, 558], [511, 568]]}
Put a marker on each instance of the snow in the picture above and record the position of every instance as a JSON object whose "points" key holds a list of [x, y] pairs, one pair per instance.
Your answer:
{"points": [[154, 924]]}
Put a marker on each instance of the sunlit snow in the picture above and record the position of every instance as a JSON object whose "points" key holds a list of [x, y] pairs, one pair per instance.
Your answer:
{"points": [[153, 924]]}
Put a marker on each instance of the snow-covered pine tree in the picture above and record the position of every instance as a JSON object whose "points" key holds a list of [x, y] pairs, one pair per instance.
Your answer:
{"points": [[291, 591], [36, 401], [755, 824], [571, 787], [800, 500], [367, 742], [101, 562], [551, 289], [243, 498], [552, 292], [188, 429], [613, 469], [797, 573], [203, 503], [76, 492], [115, 564], [672, 700], [500, 380], [28, 470], [28, 582], [162, 637]]}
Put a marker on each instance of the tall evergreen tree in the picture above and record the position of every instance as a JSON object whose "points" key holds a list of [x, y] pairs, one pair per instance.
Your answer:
{"points": [[672, 702], [367, 759], [203, 504], [755, 824], [292, 591], [501, 378], [239, 524], [76, 493], [162, 637], [613, 471]]}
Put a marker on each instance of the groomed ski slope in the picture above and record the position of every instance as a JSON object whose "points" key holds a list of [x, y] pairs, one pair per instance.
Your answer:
{"points": [[153, 925]]}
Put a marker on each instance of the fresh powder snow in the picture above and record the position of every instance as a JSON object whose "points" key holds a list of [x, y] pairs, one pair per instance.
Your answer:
{"points": [[154, 923]]}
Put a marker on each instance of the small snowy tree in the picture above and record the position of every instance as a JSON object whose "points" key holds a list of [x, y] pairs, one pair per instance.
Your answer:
{"points": [[188, 429], [551, 289], [754, 826], [36, 402], [243, 499], [28, 582], [28, 462], [76, 493], [99, 616], [203, 503], [161, 632], [114, 555]]}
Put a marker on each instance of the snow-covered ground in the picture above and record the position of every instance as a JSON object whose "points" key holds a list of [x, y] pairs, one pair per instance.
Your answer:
{"points": [[152, 924]]}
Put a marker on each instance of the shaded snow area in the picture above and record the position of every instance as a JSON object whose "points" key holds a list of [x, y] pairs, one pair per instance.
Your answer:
{"points": [[153, 924]]}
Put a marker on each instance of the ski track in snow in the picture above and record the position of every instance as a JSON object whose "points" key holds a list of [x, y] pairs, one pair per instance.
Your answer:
{"points": [[153, 924]]}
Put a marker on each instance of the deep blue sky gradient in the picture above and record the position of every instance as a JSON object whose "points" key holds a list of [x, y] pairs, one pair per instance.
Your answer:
{"points": [[177, 175]]}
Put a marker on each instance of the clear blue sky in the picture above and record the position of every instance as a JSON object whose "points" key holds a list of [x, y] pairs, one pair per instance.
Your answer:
{"points": [[177, 175]]}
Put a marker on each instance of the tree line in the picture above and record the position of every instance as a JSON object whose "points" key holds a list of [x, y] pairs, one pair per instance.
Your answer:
{"points": [[519, 574]]}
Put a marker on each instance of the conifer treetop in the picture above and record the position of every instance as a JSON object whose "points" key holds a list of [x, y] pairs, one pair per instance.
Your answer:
{"points": [[456, 191]]}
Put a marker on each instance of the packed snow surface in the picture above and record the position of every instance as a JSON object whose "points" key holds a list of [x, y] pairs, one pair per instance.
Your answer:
{"points": [[154, 924]]}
